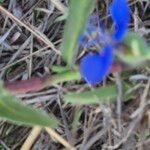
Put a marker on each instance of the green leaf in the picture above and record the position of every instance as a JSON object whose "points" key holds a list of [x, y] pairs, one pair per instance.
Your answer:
{"points": [[136, 43], [59, 69], [76, 118], [76, 22], [99, 95], [137, 51], [61, 18], [65, 76], [13, 110]]}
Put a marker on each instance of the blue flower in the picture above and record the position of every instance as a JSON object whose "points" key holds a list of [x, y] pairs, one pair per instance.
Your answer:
{"points": [[95, 66], [120, 14]]}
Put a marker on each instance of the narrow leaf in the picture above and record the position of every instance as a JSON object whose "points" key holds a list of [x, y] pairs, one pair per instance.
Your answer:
{"points": [[78, 14], [136, 43], [137, 52], [99, 95], [59, 69], [61, 18], [65, 76], [13, 110], [76, 118]]}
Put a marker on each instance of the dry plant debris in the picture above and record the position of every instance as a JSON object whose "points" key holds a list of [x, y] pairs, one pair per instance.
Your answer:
{"points": [[30, 40]]}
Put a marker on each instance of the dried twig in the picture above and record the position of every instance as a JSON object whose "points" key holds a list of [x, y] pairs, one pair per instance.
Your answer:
{"points": [[30, 28], [31, 138], [119, 99], [60, 6], [59, 139]]}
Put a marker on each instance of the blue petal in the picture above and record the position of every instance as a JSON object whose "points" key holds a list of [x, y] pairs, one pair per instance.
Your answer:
{"points": [[94, 67], [93, 33], [120, 13], [94, 42], [89, 31], [82, 40]]}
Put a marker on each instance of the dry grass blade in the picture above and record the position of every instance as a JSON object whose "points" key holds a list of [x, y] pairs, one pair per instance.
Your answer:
{"points": [[148, 115], [31, 138], [34, 31], [29, 46], [137, 115], [60, 6], [24, 58], [94, 139], [2, 38], [55, 135], [119, 99], [143, 101]]}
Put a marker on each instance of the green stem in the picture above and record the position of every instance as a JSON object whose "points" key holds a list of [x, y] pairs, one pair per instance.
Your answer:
{"points": [[65, 76]]}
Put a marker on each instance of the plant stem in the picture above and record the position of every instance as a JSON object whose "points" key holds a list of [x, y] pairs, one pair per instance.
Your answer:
{"points": [[38, 83], [66, 76]]}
